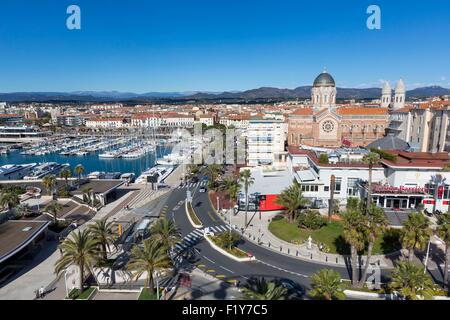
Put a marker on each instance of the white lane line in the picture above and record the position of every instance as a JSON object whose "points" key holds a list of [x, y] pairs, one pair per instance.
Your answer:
{"points": [[209, 259], [227, 269], [284, 270], [199, 233]]}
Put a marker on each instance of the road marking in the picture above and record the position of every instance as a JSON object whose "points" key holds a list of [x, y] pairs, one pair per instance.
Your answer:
{"points": [[226, 269], [209, 259], [201, 265], [220, 276], [212, 218], [284, 270], [210, 270]]}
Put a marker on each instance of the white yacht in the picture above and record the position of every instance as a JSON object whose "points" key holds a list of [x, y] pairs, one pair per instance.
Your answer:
{"points": [[159, 172]]}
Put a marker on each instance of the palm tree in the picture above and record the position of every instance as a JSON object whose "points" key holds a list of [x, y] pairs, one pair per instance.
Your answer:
{"points": [[411, 282], [231, 187], [292, 200], [370, 159], [79, 170], [326, 285], [212, 172], [87, 196], [9, 200], [354, 233], [443, 231], [152, 257], [49, 183], [247, 179], [103, 233], [260, 289], [54, 208], [66, 174], [376, 224], [415, 233], [165, 231], [79, 250]]}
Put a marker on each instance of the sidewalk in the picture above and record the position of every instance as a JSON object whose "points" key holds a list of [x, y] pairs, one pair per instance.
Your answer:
{"points": [[258, 233]]}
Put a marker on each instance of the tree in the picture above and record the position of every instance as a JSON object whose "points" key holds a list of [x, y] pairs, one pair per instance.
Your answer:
{"points": [[231, 187], [165, 231], [54, 208], [443, 231], [212, 172], [9, 200], [49, 183], [79, 170], [87, 196], [66, 174], [260, 289], [148, 259], [355, 235], [228, 239], [376, 224], [292, 200], [247, 179], [370, 159], [102, 232], [326, 285], [79, 250], [415, 233], [323, 158], [411, 282]]}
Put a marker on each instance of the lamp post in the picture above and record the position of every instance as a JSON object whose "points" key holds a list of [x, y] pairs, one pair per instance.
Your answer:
{"points": [[427, 256], [218, 207], [157, 285]]}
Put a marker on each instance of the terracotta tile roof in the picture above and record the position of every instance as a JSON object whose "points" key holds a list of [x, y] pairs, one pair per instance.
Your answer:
{"points": [[303, 112], [402, 110], [361, 111]]}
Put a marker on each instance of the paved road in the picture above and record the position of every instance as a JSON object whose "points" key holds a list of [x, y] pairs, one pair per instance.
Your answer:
{"points": [[269, 264]]}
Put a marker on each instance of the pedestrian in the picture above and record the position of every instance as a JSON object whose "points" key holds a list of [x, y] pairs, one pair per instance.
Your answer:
{"points": [[41, 292]]}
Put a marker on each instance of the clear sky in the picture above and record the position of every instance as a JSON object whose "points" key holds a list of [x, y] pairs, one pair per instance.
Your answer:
{"points": [[216, 45]]}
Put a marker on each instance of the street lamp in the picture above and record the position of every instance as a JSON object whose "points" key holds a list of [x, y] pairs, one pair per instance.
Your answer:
{"points": [[427, 256], [218, 207]]}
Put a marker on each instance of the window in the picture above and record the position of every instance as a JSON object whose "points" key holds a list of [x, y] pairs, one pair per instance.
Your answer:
{"points": [[352, 187], [337, 185], [326, 188]]}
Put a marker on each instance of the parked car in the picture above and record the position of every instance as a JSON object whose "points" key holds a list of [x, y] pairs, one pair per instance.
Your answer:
{"points": [[294, 290], [202, 189]]}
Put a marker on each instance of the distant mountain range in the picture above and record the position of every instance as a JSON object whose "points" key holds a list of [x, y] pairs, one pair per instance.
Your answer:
{"points": [[264, 93]]}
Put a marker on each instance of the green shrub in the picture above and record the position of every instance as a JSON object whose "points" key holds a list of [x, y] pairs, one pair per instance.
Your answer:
{"points": [[311, 220], [323, 158], [227, 239]]}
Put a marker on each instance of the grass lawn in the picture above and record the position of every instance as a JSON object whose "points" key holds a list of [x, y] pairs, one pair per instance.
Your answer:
{"points": [[234, 250], [192, 214], [75, 293], [331, 236], [146, 295]]}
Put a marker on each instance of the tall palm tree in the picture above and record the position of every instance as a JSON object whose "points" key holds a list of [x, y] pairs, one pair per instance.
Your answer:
{"points": [[354, 233], [103, 233], [49, 183], [79, 250], [247, 179], [326, 285], [79, 170], [166, 231], [66, 174], [231, 187], [9, 200], [443, 231], [411, 282], [376, 224], [260, 289], [151, 257], [292, 200], [370, 159], [54, 208], [416, 233]]}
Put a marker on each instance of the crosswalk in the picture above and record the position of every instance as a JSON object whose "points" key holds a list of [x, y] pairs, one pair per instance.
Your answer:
{"points": [[196, 236], [193, 185]]}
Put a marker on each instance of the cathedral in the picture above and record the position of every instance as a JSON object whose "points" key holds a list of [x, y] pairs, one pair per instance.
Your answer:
{"points": [[325, 124]]}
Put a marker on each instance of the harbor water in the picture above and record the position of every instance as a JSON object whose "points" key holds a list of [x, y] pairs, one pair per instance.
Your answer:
{"points": [[91, 162]]}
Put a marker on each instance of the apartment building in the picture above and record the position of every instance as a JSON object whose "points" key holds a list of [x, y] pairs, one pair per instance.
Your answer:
{"points": [[266, 138], [107, 123]]}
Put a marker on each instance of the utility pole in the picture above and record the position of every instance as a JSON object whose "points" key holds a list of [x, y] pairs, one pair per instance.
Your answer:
{"points": [[331, 201]]}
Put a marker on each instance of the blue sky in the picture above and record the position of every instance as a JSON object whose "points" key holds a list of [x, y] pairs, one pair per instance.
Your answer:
{"points": [[218, 45]]}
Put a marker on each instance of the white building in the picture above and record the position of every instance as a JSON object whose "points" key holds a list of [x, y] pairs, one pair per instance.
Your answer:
{"points": [[177, 120], [266, 142], [107, 123], [146, 120]]}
